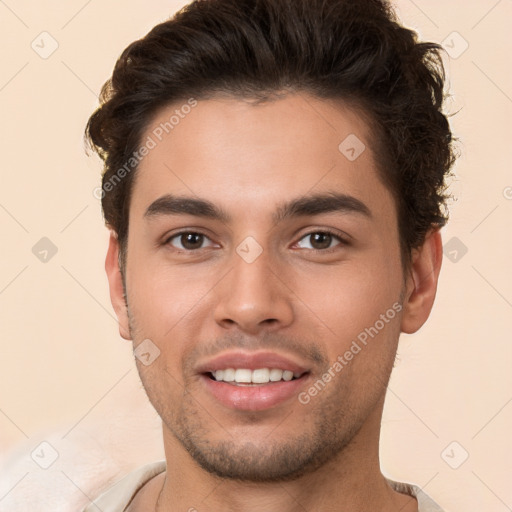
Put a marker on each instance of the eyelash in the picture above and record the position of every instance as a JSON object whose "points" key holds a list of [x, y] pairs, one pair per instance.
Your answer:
{"points": [[324, 231], [342, 241]]}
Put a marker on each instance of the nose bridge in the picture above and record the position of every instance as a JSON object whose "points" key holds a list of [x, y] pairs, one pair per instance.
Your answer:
{"points": [[252, 296]]}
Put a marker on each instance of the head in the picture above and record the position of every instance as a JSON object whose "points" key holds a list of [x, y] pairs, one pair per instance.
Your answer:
{"points": [[301, 144]]}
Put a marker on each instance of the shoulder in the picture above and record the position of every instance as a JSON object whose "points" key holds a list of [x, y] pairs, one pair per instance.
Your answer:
{"points": [[119, 496], [425, 503]]}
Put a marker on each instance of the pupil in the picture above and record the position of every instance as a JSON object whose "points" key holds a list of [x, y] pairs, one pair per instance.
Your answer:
{"points": [[322, 239]]}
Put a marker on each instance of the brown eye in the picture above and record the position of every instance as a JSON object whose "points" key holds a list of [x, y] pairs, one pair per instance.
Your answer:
{"points": [[320, 240], [187, 241]]}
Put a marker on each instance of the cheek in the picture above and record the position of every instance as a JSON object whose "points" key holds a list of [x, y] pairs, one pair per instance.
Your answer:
{"points": [[168, 305], [161, 294], [350, 296]]}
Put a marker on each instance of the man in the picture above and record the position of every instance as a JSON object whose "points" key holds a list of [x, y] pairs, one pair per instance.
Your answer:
{"points": [[274, 186]]}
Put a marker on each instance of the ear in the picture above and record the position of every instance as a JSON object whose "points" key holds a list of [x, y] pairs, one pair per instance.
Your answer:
{"points": [[115, 283], [421, 283]]}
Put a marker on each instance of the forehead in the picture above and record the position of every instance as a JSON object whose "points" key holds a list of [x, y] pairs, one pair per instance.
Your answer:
{"points": [[240, 154]]}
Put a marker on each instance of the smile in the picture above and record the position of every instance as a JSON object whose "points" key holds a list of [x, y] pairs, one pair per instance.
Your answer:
{"points": [[245, 376]]}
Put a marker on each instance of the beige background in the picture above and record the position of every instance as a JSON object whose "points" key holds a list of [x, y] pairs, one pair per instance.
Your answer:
{"points": [[67, 378]]}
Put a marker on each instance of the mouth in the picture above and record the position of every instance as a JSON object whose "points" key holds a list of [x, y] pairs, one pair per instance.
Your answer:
{"points": [[253, 381]]}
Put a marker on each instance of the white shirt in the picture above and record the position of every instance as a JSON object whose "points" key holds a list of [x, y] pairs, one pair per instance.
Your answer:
{"points": [[118, 497]]}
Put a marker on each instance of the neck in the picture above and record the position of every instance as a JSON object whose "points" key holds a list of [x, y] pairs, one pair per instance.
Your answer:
{"points": [[350, 482]]}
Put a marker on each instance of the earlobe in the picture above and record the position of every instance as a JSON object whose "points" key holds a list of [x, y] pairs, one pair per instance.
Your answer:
{"points": [[115, 283], [421, 284]]}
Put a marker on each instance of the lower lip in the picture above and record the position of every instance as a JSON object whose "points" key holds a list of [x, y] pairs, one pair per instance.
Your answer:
{"points": [[253, 398]]}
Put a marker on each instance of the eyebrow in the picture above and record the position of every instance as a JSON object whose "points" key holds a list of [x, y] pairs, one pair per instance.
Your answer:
{"points": [[315, 204]]}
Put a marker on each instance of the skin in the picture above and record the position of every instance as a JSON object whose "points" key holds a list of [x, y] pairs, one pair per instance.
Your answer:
{"points": [[305, 304]]}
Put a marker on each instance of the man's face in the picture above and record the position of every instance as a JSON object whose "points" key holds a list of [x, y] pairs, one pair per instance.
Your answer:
{"points": [[265, 286]]}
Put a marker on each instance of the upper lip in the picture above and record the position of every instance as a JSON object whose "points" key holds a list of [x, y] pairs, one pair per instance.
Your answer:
{"points": [[251, 361]]}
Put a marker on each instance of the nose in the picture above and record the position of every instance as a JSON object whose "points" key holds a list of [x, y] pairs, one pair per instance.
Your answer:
{"points": [[253, 297]]}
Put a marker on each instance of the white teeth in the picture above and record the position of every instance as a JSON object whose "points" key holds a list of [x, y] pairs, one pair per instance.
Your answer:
{"points": [[243, 376], [229, 375], [287, 375], [275, 375], [258, 376]]}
